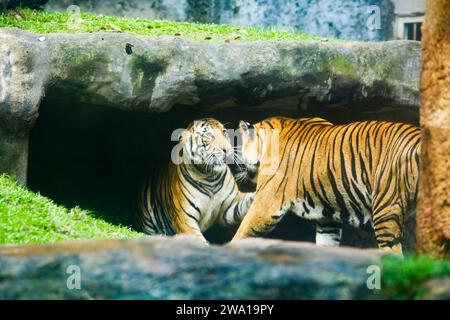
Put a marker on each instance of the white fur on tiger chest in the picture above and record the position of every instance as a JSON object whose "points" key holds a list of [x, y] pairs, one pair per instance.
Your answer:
{"points": [[211, 207], [210, 212], [208, 206]]}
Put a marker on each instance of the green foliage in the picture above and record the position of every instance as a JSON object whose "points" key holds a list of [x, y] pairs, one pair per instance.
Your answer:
{"points": [[27, 217], [51, 22], [404, 278]]}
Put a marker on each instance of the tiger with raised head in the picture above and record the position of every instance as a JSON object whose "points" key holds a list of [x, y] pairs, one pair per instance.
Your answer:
{"points": [[360, 173], [196, 189]]}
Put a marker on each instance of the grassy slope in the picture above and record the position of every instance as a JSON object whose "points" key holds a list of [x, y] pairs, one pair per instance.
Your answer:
{"points": [[50, 22], [27, 217]]}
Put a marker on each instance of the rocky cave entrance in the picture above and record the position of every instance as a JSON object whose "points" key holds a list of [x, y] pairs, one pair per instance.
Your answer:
{"points": [[96, 157]]}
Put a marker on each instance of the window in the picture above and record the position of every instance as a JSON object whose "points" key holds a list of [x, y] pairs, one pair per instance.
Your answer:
{"points": [[413, 31], [409, 27]]}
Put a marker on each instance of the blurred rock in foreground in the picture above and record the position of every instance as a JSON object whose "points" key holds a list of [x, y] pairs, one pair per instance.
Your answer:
{"points": [[181, 268]]}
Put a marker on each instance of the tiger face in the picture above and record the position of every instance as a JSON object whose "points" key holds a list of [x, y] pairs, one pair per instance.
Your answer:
{"points": [[246, 166], [206, 145]]}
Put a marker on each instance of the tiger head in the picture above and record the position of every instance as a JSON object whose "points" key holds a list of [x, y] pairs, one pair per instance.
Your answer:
{"points": [[206, 144], [245, 166]]}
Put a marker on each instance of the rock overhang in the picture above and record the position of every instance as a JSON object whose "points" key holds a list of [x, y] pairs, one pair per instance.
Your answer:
{"points": [[154, 74]]}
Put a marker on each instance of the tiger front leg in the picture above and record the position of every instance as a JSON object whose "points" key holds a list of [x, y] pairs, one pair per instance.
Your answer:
{"points": [[328, 233], [190, 227], [262, 217], [237, 210]]}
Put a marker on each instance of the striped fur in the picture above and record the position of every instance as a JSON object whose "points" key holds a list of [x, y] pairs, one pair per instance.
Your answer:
{"points": [[190, 196], [361, 173]]}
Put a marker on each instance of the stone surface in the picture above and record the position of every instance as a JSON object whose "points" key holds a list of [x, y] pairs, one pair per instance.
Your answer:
{"points": [[344, 19], [22, 80], [433, 218], [175, 10], [437, 289], [182, 268], [160, 73]]}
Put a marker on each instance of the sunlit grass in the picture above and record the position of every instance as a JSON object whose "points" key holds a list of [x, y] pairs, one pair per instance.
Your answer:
{"points": [[52, 22], [27, 217]]}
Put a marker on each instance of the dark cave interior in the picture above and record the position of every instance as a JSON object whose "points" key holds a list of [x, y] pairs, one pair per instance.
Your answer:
{"points": [[96, 157]]}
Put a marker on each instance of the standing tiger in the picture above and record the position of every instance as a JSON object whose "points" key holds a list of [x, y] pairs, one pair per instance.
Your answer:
{"points": [[360, 173], [196, 189]]}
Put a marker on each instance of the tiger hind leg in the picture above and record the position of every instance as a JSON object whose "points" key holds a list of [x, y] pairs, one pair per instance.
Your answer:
{"points": [[388, 226], [328, 233]]}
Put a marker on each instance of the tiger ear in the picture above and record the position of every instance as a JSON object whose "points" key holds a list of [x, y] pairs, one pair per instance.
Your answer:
{"points": [[183, 135], [243, 126]]}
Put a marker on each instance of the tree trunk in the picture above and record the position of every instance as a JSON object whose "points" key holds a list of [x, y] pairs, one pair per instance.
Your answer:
{"points": [[433, 217]]}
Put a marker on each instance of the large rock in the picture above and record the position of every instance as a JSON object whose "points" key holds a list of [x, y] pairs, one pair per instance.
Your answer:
{"points": [[155, 74], [182, 268], [437, 289]]}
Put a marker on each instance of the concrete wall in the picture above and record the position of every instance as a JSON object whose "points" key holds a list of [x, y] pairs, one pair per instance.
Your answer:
{"points": [[345, 19], [409, 7], [175, 10]]}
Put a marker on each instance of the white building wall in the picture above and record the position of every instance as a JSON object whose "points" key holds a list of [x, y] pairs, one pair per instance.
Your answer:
{"points": [[407, 11], [409, 7]]}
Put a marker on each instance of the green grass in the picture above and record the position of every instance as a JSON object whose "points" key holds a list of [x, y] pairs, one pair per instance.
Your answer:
{"points": [[51, 22], [405, 278], [27, 217]]}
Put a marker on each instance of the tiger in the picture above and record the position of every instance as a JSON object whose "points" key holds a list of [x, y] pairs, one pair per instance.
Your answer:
{"points": [[196, 189], [364, 174]]}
